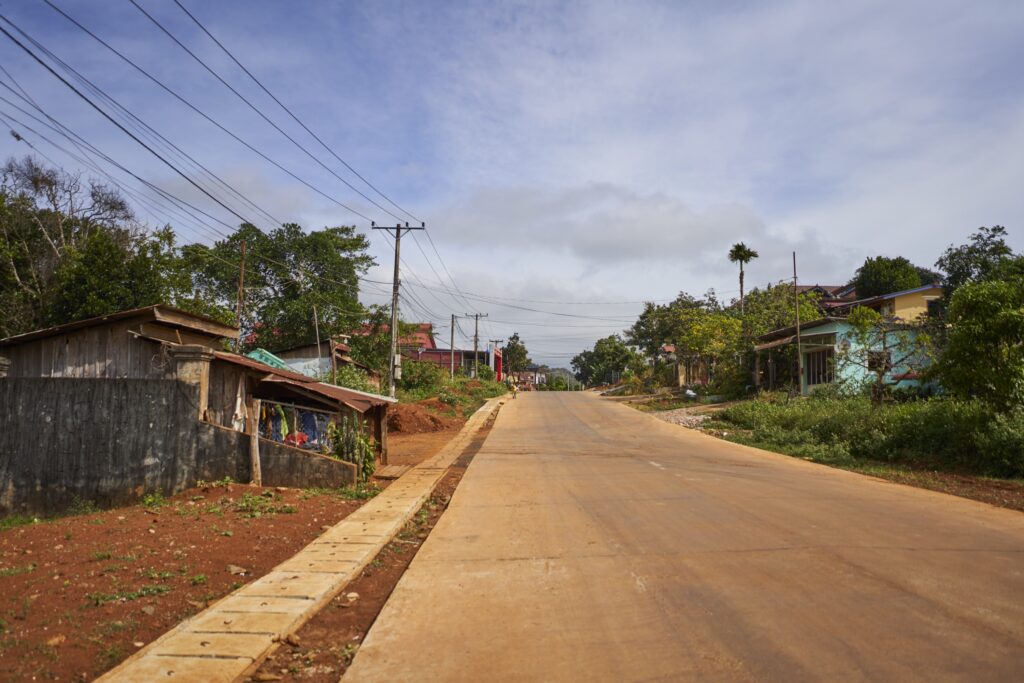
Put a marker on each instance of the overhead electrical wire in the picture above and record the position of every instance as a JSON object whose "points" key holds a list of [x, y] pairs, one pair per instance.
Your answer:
{"points": [[296, 118], [259, 112], [203, 114]]}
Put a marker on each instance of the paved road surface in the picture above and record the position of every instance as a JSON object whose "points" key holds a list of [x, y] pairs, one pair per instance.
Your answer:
{"points": [[591, 542]]}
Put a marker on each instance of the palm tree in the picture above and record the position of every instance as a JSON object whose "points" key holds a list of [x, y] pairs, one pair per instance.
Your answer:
{"points": [[741, 253]]}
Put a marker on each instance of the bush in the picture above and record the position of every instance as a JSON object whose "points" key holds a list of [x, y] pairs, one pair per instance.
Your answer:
{"points": [[421, 380], [351, 377], [485, 374], [939, 433]]}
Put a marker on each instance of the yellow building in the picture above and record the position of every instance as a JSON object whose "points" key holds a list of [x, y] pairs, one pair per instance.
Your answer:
{"points": [[908, 305]]}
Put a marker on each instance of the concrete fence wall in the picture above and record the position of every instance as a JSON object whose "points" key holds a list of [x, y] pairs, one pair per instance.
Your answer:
{"points": [[111, 441]]}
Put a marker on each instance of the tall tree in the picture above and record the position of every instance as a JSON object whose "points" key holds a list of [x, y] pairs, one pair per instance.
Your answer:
{"points": [[985, 257], [288, 272], [514, 356], [884, 275], [742, 254], [606, 362], [46, 216], [984, 355]]}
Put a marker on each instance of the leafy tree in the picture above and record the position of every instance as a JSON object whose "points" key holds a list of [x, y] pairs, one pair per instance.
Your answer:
{"points": [[883, 275], [984, 352], [773, 308], [662, 324], [741, 254], [883, 350], [608, 360], [46, 217], [514, 356], [105, 276], [288, 272], [985, 257]]}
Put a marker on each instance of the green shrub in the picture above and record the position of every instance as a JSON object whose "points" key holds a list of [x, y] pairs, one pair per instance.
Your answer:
{"points": [[419, 377], [940, 433], [350, 377]]}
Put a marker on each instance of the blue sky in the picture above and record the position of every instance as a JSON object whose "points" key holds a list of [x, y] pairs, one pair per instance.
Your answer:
{"points": [[580, 152]]}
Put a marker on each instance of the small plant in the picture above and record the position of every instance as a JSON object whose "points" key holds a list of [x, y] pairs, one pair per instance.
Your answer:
{"points": [[198, 580], [14, 571], [361, 491], [99, 599], [99, 555], [81, 506], [349, 443], [15, 521], [154, 501]]}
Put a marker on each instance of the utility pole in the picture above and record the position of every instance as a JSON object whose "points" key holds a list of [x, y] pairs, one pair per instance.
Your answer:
{"points": [[399, 229], [476, 342], [241, 300], [451, 348], [799, 352]]}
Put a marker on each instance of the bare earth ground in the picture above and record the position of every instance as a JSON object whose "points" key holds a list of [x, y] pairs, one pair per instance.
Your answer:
{"points": [[80, 593], [1005, 493]]}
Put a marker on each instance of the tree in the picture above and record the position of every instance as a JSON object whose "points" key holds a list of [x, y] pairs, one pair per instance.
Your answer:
{"points": [[984, 352], [606, 362], [986, 257], [104, 276], [741, 254], [883, 275], [772, 308], [514, 357], [288, 272], [877, 347], [47, 216]]}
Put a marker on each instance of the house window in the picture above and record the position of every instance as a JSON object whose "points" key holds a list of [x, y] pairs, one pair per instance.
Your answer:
{"points": [[819, 367], [879, 360]]}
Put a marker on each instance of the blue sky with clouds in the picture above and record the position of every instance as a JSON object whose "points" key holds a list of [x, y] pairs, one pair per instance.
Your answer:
{"points": [[583, 151]]}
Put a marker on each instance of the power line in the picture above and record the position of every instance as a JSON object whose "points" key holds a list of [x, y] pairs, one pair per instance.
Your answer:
{"points": [[201, 113], [296, 118], [259, 112]]}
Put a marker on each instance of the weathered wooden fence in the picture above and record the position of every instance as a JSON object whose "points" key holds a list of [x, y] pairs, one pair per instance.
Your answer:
{"points": [[109, 442]]}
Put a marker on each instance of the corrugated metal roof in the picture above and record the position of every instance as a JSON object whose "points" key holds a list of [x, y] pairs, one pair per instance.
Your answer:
{"points": [[350, 397]]}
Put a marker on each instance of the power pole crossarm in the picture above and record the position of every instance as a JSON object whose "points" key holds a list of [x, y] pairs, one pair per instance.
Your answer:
{"points": [[399, 231]]}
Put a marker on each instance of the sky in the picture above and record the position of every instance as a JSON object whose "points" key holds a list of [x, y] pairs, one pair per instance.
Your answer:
{"points": [[570, 160]]}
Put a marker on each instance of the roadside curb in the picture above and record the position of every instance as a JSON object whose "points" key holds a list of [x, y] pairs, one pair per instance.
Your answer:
{"points": [[230, 639]]}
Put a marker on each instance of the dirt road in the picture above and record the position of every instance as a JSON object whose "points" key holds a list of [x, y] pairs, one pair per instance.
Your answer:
{"points": [[588, 541]]}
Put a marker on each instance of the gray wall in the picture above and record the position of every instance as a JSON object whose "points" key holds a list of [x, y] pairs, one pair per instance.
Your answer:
{"points": [[112, 441]]}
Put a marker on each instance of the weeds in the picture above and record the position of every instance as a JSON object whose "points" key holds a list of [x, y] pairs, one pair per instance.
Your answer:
{"points": [[253, 506], [14, 521], [99, 599], [15, 571], [198, 580], [100, 555], [154, 501]]}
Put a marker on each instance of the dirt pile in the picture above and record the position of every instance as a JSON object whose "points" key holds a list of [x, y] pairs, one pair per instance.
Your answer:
{"points": [[417, 418]]}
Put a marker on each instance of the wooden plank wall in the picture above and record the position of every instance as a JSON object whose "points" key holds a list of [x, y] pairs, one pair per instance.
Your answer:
{"points": [[101, 352]]}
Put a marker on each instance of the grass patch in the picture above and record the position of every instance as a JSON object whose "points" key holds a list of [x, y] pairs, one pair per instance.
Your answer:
{"points": [[253, 506], [14, 521], [362, 491], [15, 571], [99, 599]]}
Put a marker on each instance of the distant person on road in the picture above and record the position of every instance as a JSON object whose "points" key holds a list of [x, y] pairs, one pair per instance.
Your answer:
{"points": [[513, 386]]}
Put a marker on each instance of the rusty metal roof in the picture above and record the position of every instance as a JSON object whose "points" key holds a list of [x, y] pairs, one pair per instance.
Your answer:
{"points": [[360, 400]]}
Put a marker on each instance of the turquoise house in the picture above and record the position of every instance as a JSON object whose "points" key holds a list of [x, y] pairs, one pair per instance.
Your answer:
{"points": [[832, 354]]}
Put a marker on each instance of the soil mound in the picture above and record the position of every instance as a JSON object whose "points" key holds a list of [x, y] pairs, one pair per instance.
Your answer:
{"points": [[417, 418]]}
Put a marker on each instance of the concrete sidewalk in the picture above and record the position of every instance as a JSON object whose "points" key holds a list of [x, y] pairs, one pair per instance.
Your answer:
{"points": [[229, 639]]}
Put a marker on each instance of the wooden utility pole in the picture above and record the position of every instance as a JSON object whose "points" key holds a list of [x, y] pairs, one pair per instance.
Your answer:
{"points": [[316, 326], [799, 351], [241, 299], [451, 348], [395, 366], [476, 342]]}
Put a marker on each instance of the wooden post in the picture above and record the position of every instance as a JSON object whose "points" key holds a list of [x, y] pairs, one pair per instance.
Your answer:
{"points": [[256, 471], [799, 346]]}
